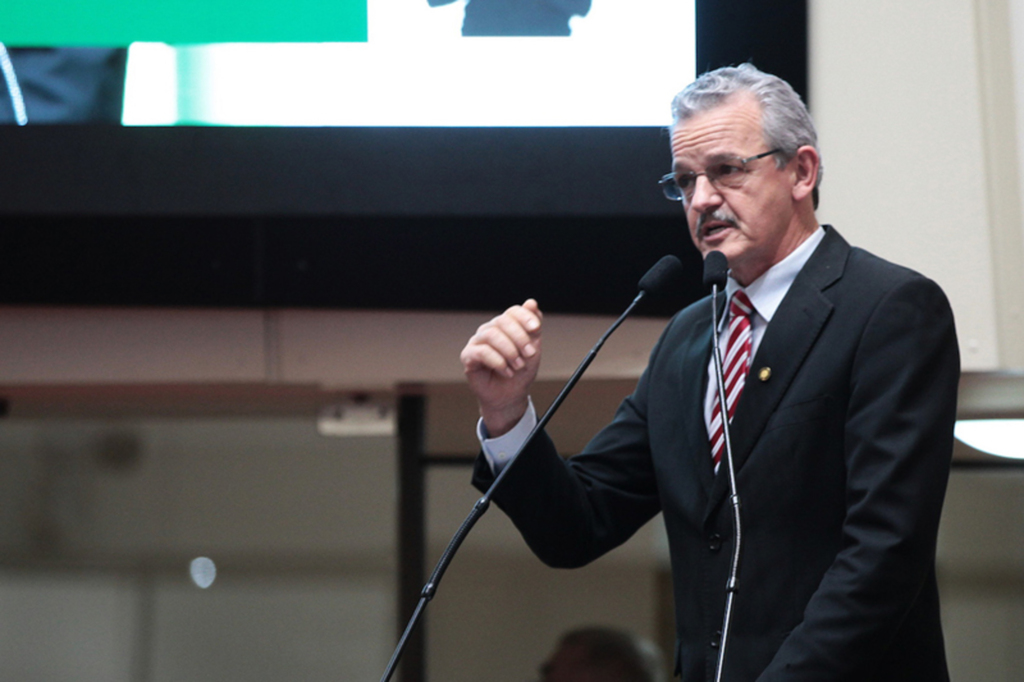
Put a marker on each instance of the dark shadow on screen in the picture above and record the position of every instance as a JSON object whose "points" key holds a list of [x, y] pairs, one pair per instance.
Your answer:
{"points": [[62, 85], [519, 17]]}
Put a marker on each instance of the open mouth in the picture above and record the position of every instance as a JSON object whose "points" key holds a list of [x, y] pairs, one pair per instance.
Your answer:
{"points": [[714, 222], [710, 230]]}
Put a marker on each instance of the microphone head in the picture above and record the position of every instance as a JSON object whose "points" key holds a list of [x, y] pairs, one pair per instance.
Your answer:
{"points": [[716, 269], [662, 275]]}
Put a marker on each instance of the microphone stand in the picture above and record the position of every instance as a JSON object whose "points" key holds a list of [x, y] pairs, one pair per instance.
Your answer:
{"points": [[481, 506], [733, 585]]}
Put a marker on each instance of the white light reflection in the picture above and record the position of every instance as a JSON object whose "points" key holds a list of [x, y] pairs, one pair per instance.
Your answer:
{"points": [[1000, 437], [203, 572]]}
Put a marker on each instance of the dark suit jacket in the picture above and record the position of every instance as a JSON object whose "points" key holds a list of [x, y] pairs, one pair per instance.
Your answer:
{"points": [[842, 459]]}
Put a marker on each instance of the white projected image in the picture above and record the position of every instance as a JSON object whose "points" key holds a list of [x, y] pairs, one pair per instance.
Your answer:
{"points": [[620, 67]]}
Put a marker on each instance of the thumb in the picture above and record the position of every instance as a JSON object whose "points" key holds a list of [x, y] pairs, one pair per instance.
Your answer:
{"points": [[532, 305]]}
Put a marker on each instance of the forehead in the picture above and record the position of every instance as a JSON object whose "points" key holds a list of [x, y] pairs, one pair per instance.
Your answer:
{"points": [[730, 129]]}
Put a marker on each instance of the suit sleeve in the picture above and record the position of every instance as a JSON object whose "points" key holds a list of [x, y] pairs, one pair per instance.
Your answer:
{"points": [[897, 450]]}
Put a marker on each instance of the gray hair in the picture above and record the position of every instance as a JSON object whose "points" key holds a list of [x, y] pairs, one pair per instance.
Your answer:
{"points": [[785, 122]]}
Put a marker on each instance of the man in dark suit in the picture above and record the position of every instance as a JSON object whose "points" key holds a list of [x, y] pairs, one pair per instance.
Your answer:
{"points": [[842, 433]]}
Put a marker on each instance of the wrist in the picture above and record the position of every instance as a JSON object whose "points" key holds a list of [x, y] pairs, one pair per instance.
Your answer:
{"points": [[501, 419]]}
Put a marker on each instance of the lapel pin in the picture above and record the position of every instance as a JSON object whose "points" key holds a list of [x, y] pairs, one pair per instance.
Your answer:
{"points": [[765, 373]]}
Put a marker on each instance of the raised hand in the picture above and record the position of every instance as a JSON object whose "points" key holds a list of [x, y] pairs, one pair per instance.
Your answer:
{"points": [[501, 361]]}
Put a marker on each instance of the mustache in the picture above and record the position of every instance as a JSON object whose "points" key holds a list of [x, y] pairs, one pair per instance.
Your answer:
{"points": [[720, 216]]}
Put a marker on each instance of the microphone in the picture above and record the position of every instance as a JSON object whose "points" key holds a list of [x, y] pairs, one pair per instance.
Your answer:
{"points": [[716, 268], [663, 274], [658, 280]]}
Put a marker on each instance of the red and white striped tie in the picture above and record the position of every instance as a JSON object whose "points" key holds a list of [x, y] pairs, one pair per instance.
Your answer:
{"points": [[735, 366]]}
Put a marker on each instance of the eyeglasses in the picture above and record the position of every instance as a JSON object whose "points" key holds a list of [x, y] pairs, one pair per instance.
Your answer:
{"points": [[730, 173]]}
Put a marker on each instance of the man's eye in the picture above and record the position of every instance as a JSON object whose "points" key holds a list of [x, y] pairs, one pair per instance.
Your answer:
{"points": [[725, 169], [687, 181]]}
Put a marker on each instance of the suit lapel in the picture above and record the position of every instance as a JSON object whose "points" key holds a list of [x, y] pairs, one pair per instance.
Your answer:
{"points": [[696, 353], [789, 338]]}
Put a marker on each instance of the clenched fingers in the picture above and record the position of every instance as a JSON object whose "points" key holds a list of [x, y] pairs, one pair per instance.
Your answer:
{"points": [[505, 343]]}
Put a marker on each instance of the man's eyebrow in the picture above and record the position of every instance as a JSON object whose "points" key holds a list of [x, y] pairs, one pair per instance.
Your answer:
{"points": [[713, 159]]}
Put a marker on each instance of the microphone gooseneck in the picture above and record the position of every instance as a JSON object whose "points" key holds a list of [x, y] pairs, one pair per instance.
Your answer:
{"points": [[716, 269], [658, 280]]}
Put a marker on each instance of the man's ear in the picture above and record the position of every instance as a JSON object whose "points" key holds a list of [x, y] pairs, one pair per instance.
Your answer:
{"points": [[806, 164]]}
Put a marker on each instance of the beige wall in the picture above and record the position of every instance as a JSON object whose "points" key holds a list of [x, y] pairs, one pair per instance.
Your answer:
{"points": [[914, 104], [895, 92]]}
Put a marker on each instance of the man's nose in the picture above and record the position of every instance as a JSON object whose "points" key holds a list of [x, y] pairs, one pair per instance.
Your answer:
{"points": [[705, 195]]}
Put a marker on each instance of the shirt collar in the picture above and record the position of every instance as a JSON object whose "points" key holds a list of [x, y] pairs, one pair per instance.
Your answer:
{"points": [[767, 291]]}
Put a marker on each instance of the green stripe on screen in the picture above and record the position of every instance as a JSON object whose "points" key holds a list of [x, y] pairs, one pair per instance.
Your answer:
{"points": [[103, 23]]}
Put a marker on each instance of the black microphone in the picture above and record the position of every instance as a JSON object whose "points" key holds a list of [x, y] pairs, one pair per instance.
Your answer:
{"points": [[662, 275], [658, 279], [716, 269]]}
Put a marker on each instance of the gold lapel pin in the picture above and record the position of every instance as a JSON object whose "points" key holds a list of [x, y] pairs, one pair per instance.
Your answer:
{"points": [[765, 373]]}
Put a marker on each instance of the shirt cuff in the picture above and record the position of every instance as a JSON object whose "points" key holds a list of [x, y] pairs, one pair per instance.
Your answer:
{"points": [[498, 451]]}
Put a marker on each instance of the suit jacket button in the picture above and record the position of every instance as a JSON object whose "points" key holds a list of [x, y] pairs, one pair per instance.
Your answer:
{"points": [[715, 542]]}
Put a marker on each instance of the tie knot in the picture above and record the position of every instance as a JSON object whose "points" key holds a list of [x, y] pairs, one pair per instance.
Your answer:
{"points": [[741, 304]]}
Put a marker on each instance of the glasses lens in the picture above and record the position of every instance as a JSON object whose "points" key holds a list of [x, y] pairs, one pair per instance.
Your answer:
{"points": [[727, 174], [730, 174], [670, 188], [686, 184]]}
